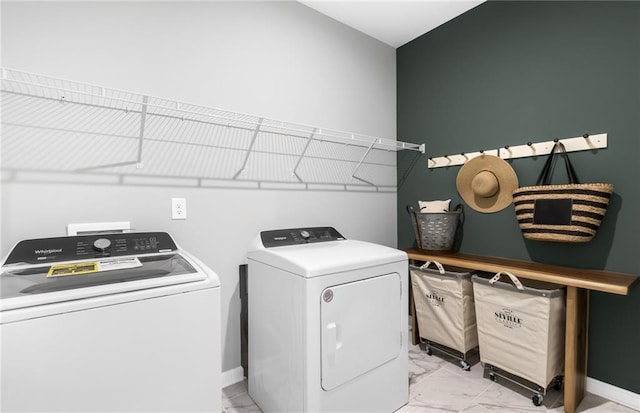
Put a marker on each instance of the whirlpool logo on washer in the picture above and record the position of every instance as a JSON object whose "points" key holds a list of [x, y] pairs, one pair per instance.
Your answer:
{"points": [[507, 318], [48, 251]]}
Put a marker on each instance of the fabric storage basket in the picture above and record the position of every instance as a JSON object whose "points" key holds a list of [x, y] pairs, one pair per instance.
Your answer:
{"points": [[435, 231], [521, 326], [445, 310]]}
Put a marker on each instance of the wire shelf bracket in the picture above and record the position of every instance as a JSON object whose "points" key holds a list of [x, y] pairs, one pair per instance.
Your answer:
{"points": [[304, 151]]}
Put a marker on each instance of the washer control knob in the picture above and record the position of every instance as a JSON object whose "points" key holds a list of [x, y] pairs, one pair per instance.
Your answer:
{"points": [[101, 244], [305, 234]]}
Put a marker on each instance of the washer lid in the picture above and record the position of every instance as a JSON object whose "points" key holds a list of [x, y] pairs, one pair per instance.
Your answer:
{"points": [[27, 286], [50, 270], [317, 259]]}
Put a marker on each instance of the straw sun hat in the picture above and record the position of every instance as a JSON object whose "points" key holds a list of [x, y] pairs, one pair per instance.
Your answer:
{"points": [[486, 183]]}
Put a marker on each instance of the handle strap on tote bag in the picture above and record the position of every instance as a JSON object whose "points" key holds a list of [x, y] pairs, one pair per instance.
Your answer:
{"points": [[436, 263], [547, 170], [513, 278]]}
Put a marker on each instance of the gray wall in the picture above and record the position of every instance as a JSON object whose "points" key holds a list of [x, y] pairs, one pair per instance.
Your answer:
{"points": [[281, 60], [506, 73]]}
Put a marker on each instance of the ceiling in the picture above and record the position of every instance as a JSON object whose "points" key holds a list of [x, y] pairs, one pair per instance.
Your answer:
{"points": [[394, 22]]}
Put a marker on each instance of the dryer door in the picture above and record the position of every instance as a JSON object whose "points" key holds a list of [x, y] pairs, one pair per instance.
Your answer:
{"points": [[360, 327]]}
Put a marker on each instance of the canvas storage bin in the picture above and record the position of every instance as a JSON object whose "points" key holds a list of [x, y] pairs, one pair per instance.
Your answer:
{"points": [[521, 326], [443, 299]]}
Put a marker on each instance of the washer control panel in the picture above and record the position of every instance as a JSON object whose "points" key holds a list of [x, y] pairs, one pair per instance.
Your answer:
{"points": [[80, 247], [295, 236]]}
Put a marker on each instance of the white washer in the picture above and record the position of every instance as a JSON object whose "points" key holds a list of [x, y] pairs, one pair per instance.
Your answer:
{"points": [[137, 328], [327, 323]]}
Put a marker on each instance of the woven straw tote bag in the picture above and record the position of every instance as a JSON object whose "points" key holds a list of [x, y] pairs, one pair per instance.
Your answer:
{"points": [[561, 213]]}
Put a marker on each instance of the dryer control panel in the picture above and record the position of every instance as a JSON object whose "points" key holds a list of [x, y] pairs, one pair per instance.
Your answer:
{"points": [[295, 236], [79, 247]]}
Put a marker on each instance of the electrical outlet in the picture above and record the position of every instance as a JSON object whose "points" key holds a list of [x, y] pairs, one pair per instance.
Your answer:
{"points": [[178, 208]]}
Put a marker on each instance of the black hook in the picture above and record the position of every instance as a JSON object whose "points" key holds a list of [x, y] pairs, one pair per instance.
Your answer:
{"points": [[586, 136], [506, 147], [529, 144], [481, 150], [462, 153], [556, 140]]}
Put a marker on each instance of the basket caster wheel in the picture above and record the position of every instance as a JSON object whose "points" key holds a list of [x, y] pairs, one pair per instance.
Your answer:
{"points": [[429, 351], [492, 377], [465, 365], [537, 399]]}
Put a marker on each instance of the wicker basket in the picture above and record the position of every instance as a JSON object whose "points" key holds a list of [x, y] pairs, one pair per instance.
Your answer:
{"points": [[435, 231]]}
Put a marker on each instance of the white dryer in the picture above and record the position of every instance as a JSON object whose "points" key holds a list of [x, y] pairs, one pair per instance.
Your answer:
{"points": [[327, 323], [112, 322]]}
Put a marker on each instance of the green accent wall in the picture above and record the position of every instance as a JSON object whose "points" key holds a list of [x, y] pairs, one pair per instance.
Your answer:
{"points": [[510, 72]]}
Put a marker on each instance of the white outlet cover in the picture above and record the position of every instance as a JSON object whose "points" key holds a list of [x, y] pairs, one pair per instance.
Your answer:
{"points": [[178, 208]]}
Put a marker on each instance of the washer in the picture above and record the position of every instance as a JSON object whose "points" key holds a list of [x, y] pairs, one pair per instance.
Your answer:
{"points": [[112, 322], [327, 323]]}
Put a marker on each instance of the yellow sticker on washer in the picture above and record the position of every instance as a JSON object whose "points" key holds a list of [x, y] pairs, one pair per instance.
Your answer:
{"points": [[63, 270]]}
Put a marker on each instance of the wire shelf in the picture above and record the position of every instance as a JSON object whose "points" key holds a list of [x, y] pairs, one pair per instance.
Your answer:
{"points": [[55, 125]]}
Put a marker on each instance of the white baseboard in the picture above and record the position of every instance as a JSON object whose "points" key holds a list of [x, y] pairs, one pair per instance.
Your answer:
{"points": [[613, 393], [232, 376]]}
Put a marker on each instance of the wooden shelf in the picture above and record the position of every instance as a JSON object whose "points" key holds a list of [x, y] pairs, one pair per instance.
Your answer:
{"points": [[596, 280]]}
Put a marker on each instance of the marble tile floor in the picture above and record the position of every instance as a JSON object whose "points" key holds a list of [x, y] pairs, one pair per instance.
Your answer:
{"points": [[437, 385]]}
